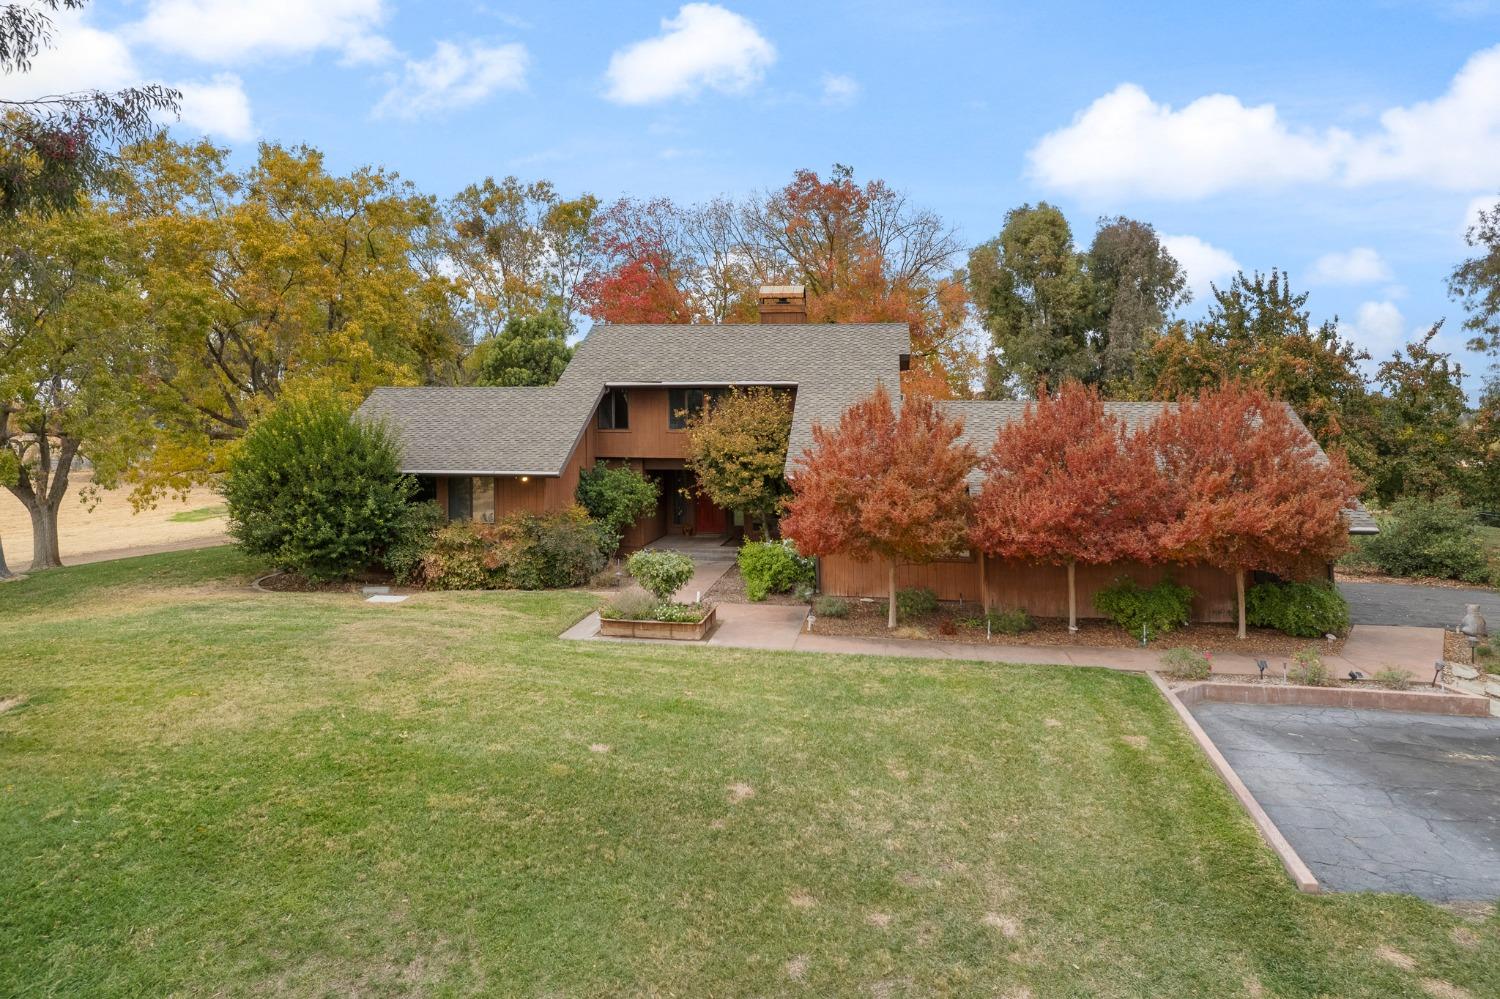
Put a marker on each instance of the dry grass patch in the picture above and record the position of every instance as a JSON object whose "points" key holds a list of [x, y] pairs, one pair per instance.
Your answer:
{"points": [[1391, 955], [1439, 989]]}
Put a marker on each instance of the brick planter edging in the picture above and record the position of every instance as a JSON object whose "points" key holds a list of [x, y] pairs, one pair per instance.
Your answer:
{"points": [[681, 631], [1432, 703], [1296, 868]]}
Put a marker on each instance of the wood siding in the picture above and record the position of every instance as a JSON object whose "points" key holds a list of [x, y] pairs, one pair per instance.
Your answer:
{"points": [[649, 436], [1040, 590]]}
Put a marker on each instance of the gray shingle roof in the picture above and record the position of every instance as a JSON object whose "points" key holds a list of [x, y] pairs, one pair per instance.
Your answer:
{"points": [[534, 430], [984, 418]]}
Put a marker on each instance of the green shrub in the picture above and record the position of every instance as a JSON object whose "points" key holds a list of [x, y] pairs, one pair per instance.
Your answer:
{"points": [[412, 543], [774, 567], [316, 492], [456, 559], [830, 607], [1010, 622], [616, 496], [525, 551], [1429, 538], [1308, 669], [1391, 678], [1187, 664], [916, 602], [1158, 608], [1304, 610], [630, 606], [660, 573]]}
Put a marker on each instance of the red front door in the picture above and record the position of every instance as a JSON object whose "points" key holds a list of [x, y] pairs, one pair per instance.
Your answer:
{"points": [[707, 518]]}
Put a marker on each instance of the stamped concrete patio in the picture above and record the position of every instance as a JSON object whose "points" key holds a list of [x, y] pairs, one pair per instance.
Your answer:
{"points": [[1374, 800]]}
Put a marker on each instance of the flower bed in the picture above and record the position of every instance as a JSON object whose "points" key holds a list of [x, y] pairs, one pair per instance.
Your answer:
{"points": [[684, 631]]}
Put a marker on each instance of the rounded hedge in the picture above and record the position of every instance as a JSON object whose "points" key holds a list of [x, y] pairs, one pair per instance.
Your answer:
{"points": [[316, 492]]}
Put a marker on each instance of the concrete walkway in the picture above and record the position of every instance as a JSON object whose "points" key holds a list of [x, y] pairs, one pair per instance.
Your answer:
{"points": [[761, 626], [711, 559]]}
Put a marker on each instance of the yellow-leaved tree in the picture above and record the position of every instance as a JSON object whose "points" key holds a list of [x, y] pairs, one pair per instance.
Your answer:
{"points": [[280, 279]]}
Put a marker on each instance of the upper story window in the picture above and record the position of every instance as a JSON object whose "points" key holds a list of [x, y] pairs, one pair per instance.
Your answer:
{"points": [[614, 411], [683, 402]]}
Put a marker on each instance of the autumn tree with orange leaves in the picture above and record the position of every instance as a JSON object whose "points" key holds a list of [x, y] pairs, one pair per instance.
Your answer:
{"points": [[1247, 489], [862, 250], [1066, 484], [882, 485]]}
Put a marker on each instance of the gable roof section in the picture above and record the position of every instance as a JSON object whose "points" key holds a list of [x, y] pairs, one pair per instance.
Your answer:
{"points": [[533, 431], [984, 418]]}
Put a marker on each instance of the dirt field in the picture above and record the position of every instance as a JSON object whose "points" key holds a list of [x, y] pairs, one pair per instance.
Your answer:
{"points": [[112, 529]]}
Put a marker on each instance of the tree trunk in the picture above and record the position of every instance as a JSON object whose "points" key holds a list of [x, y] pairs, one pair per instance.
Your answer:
{"points": [[1239, 594], [984, 583], [890, 615], [5, 572], [1072, 599], [44, 553]]}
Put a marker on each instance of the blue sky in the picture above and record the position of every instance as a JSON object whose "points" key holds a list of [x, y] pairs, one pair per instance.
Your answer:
{"points": [[1346, 142]]}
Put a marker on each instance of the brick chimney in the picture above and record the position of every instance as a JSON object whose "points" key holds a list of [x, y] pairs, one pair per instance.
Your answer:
{"points": [[783, 303]]}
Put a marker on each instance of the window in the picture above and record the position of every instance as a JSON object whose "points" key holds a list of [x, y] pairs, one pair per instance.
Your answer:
{"points": [[614, 411], [683, 403], [484, 500], [460, 499]]}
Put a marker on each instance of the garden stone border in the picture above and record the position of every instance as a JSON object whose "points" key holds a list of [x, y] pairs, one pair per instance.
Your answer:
{"points": [[1445, 702]]}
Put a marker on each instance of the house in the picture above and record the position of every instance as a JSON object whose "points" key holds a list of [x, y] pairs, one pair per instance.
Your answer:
{"points": [[484, 453]]}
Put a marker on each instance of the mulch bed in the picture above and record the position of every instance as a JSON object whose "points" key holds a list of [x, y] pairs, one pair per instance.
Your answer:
{"points": [[1367, 576], [730, 589], [867, 620]]}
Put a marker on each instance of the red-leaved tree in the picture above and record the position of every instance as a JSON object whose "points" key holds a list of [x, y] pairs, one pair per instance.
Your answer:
{"points": [[1247, 489], [882, 485], [1067, 484]]}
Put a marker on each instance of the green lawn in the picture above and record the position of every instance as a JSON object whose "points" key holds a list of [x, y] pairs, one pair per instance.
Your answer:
{"points": [[200, 513], [209, 790]]}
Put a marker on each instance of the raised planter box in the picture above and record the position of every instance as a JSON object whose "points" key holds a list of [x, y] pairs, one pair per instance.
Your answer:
{"points": [[1429, 702], [680, 631]]}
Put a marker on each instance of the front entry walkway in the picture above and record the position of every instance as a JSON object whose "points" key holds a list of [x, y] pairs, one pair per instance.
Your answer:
{"points": [[1370, 648], [711, 556]]}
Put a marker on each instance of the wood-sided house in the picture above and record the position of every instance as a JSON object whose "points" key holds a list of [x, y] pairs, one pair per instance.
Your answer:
{"points": [[484, 453]]}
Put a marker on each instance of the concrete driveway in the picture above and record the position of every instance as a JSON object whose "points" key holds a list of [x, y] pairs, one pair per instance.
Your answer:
{"points": [[1374, 800], [1415, 605]]}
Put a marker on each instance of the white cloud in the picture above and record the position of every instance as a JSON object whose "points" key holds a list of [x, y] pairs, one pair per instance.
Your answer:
{"points": [[840, 90], [218, 107], [86, 58], [455, 76], [704, 46], [81, 58], [1361, 265], [1378, 327], [1204, 264], [221, 31], [1126, 143], [1483, 203]]}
